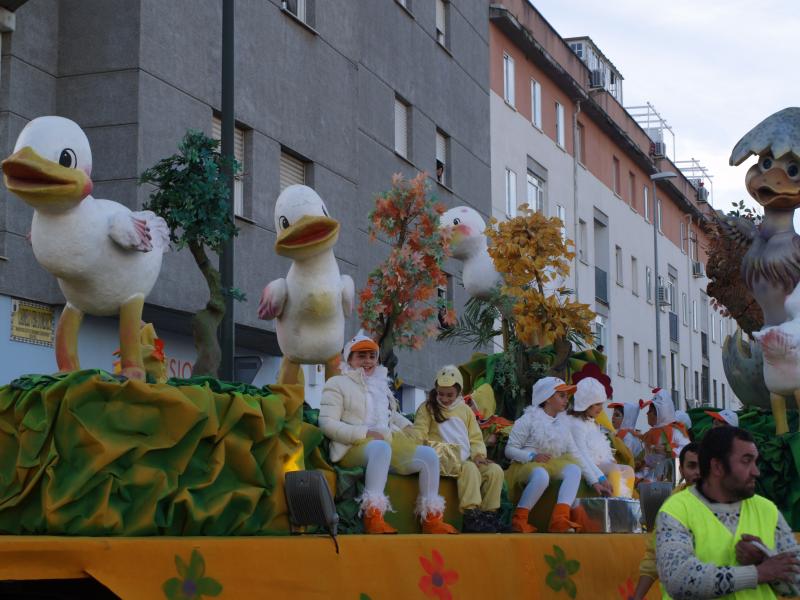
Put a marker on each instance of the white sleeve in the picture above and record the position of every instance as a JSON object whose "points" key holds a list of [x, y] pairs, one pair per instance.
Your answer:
{"points": [[591, 472], [516, 442]]}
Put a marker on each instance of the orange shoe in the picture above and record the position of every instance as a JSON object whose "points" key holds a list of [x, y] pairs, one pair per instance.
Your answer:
{"points": [[559, 520], [519, 522], [434, 523], [374, 523]]}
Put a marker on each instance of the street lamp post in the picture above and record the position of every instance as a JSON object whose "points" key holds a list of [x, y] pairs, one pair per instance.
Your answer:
{"points": [[227, 333], [656, 223]]}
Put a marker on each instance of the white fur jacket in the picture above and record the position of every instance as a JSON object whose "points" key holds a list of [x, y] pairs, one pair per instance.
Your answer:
{"points": [[536, 432], [593, 445], [350, 401]]}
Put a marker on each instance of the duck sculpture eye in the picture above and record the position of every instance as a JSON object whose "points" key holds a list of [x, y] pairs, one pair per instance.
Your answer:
{"points": [[792, 170], [766, 163], [68, 158], [284, 222], [456, 221]]}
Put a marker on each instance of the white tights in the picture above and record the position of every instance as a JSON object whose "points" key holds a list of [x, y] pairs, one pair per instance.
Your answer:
{"points": [[539, 480]]}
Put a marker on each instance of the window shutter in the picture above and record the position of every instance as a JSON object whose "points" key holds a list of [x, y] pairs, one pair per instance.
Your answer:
{"points": [[238, 154], [401, 127], [440, 17], [292, 171], [441, 148]]}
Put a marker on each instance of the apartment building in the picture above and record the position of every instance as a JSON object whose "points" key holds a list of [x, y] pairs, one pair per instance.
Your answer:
{"points": [[563, 143], [336, 94]]}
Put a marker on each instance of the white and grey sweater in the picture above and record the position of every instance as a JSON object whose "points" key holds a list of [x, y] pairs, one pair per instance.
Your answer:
{"points": [[686, 578]]}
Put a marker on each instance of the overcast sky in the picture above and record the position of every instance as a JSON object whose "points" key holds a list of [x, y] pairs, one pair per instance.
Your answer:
{"points": [[712, 68]]}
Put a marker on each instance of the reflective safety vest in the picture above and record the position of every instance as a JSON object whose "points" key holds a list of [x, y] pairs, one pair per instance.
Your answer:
{"points": [[714, 543]]}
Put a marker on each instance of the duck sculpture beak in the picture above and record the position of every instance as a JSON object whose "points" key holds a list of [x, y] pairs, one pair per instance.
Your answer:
{"points": [[773, 188], [39, 181], [307, 237]]}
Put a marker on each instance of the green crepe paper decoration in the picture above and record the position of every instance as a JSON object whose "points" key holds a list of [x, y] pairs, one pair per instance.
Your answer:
{"points": [[84, 453], [779, 457]]}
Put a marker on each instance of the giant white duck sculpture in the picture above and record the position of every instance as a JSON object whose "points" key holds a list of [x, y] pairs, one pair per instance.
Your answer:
{"points": [[311, 303], [105, 257], [468, 244]]}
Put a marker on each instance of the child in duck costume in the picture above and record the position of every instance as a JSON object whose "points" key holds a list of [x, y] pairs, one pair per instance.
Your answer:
{"points": [[358, 413], [445, 418], [540, 446], [624, 421], [600, 469], [666, 436]]}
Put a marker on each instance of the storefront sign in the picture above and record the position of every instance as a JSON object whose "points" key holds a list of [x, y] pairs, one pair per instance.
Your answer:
{"points": [[32, 323]]}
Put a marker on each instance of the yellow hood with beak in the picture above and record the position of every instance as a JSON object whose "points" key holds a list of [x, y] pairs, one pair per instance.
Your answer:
{"points": [[44, 183], [309, 236]]}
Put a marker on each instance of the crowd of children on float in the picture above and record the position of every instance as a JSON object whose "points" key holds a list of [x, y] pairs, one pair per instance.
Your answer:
{"points": [[359, 414]]}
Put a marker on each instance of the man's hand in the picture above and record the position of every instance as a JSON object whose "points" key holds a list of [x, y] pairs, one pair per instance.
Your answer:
{"points": [[542, 458], [480, 459], [374, 435], [782, 567], [747, 553]]}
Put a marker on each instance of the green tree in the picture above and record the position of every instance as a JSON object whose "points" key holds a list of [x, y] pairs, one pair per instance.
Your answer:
{"points": [[192, 197]]}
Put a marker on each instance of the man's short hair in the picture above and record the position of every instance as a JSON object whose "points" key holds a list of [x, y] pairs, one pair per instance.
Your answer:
{"points": [[718, 443], [692, 447]]}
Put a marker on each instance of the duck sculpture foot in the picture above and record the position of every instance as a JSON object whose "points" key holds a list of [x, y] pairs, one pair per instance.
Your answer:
{"points": [[290, 372], [130, 350], [778, 403], [67, 339]]}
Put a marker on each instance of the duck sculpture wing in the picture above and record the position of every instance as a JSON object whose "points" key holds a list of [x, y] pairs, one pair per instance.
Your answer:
{"points": [[273, 300], [740, 230], [142, 231], [348, 294]]}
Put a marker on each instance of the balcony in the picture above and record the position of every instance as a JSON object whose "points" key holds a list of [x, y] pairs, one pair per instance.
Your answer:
{"points": [[704, 344], [673, 327], [601, 285]]}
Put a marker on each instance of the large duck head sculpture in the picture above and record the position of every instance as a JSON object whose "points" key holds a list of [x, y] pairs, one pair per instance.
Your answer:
{"points": [[468, 244], [311, 303], [105, 257], [771, 266]]}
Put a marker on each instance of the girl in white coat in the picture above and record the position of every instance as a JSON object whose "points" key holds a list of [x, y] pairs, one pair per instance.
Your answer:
{"points": [[358, 414]]}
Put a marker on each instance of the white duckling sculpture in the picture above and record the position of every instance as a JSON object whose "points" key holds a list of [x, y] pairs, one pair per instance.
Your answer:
{"points": [[781, 347], [310, 305], [105, 257], [468, 244]]}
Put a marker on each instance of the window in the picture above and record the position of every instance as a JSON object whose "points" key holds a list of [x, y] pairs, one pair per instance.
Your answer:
{"points": [[715, 392], [583, 246], [508, 78], [646, 204], [694, 315], [693, 247], [637, 375], [402, 129], [560, 133], [445, 292], [632, 190], [577, 48], [634, 276], [302, 9], [696, 385], [650, 368], [684, 238], [620, 356], [648, 283], [600, 332], [535, 193], [713, 328], [721, 330], [723, 395], [581, 150], [615, 183], [292, 171], [536, 103], [658, 215], [685, 305], [686, 382], [511, 194], [442, 157], [441, 22], [561, 213], [238, 154], [618, 264]]}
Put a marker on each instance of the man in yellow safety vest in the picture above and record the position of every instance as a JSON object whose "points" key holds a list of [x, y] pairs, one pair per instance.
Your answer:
{"points": [[718, 539]]}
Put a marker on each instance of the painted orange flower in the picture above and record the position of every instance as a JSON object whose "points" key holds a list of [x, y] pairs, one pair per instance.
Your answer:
{"points": [[627, 589], [434, 583]]}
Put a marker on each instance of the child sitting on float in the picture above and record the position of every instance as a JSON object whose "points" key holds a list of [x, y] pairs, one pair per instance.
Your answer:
{"points": [[666, 435], [540, 446], [445, 420], [358, 413], [624, 421], [600, 469]]}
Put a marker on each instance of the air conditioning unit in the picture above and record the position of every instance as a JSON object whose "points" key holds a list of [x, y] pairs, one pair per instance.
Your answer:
{"points": [[697, 269], [664, 295], [658, 149], [597, 79], [702, 194]]}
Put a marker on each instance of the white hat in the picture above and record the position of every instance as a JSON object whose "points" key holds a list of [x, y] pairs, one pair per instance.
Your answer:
{"points": [[449, 376], [360, 341], [726, 416], [546, 387], [683, 417], [589, 392]]}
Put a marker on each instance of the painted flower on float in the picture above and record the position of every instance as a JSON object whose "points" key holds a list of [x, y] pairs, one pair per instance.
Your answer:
{"points": [[434, 584], [192, 584], [560, 571], [627, 590]]}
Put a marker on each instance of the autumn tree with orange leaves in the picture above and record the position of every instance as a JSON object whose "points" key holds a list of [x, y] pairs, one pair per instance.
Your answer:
{"points": [[400, 306]]}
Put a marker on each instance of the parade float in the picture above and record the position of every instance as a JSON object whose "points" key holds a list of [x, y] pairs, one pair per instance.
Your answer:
{"points": [[175, 488]]}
